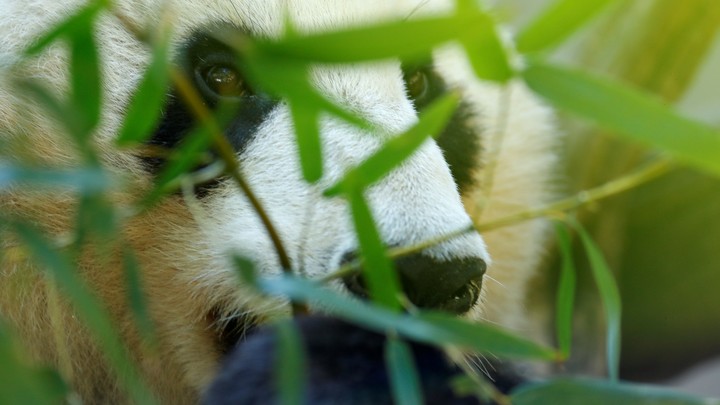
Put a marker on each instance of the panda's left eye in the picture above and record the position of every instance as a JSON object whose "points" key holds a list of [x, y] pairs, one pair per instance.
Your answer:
{"points": [[223, 80], [417, 83], [423, 85]]}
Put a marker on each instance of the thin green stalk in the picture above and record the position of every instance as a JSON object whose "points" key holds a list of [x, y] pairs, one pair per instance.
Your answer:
{"points": [[232, 167], [556, 208], [611, 188]]}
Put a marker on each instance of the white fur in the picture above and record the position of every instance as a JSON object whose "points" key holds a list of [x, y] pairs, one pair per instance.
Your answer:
{"points": [[184, 252]]}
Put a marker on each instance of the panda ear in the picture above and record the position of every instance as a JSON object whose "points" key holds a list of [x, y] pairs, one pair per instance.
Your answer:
{"points": [[345, 365]]}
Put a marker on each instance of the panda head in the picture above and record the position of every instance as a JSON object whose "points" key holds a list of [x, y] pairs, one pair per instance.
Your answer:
{"points": [[185, 244]]}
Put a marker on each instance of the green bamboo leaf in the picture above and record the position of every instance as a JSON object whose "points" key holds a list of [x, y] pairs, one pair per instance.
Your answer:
{"points": [[566, 292], [96, 216], [610, 299], [136, 297], [410, 40], [378, 270], [428, 327], [581, 391], [194, 151], [557, 23], [432, 120], [631, 113], [287, 79], [306, 121], [146, 105], [406, 39], [62, 113], [188, 155], [88, 307], [290, 365], [495, 340], [246, 270], [66, 27], [85, 77], [22, 384], [404, 377], [88, 180], [486, 53]]}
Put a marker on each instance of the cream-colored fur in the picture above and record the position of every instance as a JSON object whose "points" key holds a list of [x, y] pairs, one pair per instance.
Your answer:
{"points": [[184, 252]]}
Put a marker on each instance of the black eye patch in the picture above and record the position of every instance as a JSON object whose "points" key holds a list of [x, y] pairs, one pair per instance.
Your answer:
{"points": [[212, 68], [459, 141]]}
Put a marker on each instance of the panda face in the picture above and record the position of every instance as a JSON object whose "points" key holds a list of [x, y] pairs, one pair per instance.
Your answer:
{"points": [[185, 244]]}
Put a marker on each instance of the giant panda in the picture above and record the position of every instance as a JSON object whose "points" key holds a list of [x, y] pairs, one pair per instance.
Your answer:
{"points": [[496, 157]]}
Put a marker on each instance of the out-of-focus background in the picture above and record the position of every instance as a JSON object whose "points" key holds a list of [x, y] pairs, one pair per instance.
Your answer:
{"points": [[661, 239]]}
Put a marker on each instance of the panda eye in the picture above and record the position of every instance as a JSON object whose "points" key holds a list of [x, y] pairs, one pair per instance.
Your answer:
{"points": [[417, 83], [223, 81]]}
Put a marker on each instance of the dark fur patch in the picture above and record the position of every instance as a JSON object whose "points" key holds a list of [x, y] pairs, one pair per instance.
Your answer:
{"points": [[249, 110], [459, 141]]}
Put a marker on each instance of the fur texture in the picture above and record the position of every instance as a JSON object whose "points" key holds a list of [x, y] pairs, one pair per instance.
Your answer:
{"points": [[183, 248]]}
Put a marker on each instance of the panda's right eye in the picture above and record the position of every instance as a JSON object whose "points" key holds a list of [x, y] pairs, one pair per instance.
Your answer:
{"points": [[224, 81], [218, 78]]}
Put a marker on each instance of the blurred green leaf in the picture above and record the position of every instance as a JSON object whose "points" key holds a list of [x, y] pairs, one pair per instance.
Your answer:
{"points": [[306, 121], [377, 268], [136, 297], [405, 39], [67, 27], [193, 152], [566, 291], [95, 217], [429, 327], [631, 113], [404, 377], [557, 23], [84, 180], [578, 391], [246, 270], [61, 112], [290, 365], [88, 307], [146, 104], [432, 120], [610, 299], [85, 77], [476, 335], [409, 40], [486, 52], [22, 384]]}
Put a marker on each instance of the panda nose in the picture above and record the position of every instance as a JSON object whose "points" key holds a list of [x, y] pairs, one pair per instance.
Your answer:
{"points": [[452, 286]]}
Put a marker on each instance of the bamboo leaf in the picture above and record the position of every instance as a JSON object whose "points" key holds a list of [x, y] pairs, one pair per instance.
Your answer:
{"points": [[378, 270], [486, 52], [22, 384], [407, 40], [85, 77], [558, 22], [88, 307], [566, 292], [88, 180], [404, 377], [432, 120], [610, 299], [633, 114], [67, 27], [136, 297], [145, 107], [581, 391], [290, 365], [305, 119], [428, 327]]}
